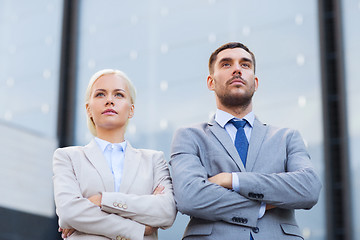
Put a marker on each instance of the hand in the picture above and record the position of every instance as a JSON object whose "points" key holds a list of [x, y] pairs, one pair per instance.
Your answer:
{"points": [[66, 232], [149, 230], [269, 206], [223, 179], [159, 190], [96, 199]]}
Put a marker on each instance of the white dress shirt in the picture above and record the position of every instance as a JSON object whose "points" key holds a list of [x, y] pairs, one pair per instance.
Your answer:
{"points": [[114, 154], [223, 118]]}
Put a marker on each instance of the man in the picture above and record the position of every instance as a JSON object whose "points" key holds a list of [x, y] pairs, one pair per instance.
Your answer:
{"points": [[240, 182]]}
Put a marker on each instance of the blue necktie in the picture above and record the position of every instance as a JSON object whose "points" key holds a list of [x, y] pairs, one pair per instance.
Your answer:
{"points": [[241, 142]]}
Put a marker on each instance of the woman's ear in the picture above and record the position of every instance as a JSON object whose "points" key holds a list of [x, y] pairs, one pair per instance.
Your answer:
{"points": [[88, 111], [132, 111]]}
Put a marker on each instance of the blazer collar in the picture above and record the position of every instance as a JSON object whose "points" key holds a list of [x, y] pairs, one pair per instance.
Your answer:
{"points": [[97, 159], [225, 140], [256, 140], [131, 165]]}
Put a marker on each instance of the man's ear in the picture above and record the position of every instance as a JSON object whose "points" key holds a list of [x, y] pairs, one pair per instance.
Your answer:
{"points": [[210, 83], [256, 83]]}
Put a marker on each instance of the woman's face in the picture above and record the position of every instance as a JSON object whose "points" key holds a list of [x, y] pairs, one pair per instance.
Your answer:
{"points": [[110, 104]]}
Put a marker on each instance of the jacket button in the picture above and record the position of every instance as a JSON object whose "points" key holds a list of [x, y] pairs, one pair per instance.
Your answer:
{"points": [[255, 230], [115, 204]]}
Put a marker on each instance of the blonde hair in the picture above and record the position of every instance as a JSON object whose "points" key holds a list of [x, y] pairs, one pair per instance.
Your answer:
{"points": [[96, 76]]}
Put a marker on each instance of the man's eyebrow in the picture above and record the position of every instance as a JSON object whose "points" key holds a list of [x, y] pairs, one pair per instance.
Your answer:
{"points": [[246, 60], [226, 59]]}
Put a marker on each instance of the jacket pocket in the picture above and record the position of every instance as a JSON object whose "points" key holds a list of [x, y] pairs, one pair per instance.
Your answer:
{"points": [[199, 228], [290, 229]]}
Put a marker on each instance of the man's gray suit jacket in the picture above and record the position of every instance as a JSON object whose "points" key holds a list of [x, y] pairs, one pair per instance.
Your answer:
{"points": [[278, 172]]}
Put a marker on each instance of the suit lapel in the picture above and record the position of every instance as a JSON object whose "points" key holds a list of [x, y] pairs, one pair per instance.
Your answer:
{"points": [[131, 165], [257, 137], [225, 140], [97, 159]]}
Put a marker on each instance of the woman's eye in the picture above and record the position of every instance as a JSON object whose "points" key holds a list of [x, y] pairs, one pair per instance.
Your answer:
{"points": [[100, 94], [119, 95]]}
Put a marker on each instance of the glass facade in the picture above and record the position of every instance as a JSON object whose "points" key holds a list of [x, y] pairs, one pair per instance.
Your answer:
{"points": [[29, 64], [351, 16], [30, 36], [164, 48]]}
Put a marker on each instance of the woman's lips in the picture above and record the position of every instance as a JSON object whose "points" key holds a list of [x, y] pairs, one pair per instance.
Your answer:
{"points": [[109, 112]]}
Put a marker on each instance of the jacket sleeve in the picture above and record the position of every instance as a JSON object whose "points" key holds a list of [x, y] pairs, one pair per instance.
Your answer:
{"points": [[296, 188], [195, 195], [77, 212], [152, 210]]}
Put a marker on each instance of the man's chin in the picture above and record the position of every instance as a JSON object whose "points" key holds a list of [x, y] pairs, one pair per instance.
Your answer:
{"points": [[236, 102]]}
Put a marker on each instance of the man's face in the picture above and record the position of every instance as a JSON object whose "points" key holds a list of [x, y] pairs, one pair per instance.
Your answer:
{"points": [[233, 79]]}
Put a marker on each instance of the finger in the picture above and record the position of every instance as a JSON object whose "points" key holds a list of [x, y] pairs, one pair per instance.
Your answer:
{"points": [[68, 232], [159, 189], [65, 233], [154, 229], [162, 188]]}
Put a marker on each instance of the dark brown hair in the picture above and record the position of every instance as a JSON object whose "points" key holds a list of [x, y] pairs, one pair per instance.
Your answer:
{"points": [[213, 56]]}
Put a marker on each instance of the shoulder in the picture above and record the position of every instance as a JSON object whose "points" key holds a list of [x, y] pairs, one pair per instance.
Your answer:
{"points": [[69, 151], [145, 153], [192, 138], [148, 152], [194, 129], [150, 158], [274, 131], [66, 156]]}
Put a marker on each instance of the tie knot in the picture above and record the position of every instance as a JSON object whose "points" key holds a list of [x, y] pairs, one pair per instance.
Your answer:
{"points": [[238, 123]]}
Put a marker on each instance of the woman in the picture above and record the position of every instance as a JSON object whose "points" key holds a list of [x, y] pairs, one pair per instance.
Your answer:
{"points": [[108, 189]]}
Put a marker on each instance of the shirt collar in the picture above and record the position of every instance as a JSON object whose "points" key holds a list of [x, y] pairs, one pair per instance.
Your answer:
{"points": [[222, 117], [103, 144]]}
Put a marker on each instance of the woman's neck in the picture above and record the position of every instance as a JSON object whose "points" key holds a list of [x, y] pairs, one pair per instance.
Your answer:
{"points": [[113, 136]]}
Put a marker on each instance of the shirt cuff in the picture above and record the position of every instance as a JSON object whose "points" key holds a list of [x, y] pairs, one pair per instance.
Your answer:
{"points": [[262, 210], [235, 182]]}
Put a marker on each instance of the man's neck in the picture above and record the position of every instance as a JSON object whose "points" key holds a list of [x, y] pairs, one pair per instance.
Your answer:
{"points": [[236, 111]]}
